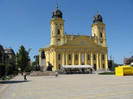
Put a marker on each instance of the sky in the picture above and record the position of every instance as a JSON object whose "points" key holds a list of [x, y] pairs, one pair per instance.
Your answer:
{"points": [[27, 23]]}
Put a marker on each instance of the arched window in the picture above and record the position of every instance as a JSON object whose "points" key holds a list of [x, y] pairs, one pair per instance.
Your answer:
{"points": [[58, 31], [102, 57], [59, 56], [94, 57], [103, 66], [69, 56], [59, 66], [88, 57], [101, 35], [76, 57]]}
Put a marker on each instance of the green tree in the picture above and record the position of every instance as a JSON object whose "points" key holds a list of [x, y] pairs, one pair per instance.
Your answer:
{"points": [[0, 57], [2, 70], [36, 57], [35, 64], [23, 58]]}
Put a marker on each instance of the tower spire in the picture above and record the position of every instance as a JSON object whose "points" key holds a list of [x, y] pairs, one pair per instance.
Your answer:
{"points": [[56, 4], [97, 11]]}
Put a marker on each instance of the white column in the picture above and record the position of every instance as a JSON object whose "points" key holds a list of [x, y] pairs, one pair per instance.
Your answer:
{"points": [[79, 58], [97, 61], [106, 60], [73, 58], [100, 61], [63, 58], [92, 59], [66, 58], [85, 58]]}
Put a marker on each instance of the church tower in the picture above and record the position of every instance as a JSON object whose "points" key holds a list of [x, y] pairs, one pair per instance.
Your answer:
{"points": [[98, 29], [57, 28]]}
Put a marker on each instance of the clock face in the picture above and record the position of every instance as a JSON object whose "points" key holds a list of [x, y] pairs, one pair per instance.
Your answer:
{"points": [[101, 30], [58, 12], [58, 27]]}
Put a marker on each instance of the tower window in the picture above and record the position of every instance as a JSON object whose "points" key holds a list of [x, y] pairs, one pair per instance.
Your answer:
{"points": [[101, 41], [59, 56], [102, 57], [101, 35], [94, 57], [88, 57], [58, 31], [76, 57], [69, 56]]}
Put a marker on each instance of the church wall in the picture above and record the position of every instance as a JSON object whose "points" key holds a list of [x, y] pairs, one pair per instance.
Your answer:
{"points": [[52, 57]]}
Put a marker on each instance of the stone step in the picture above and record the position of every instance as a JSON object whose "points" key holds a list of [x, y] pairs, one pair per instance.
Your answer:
{"points": [[45, 73]]}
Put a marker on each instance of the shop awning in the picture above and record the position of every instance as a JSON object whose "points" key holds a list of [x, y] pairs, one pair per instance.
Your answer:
{"points": [[76, 66]]}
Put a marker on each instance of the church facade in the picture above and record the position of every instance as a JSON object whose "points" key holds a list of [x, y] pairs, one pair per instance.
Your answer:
{"points": [[75, 49]]}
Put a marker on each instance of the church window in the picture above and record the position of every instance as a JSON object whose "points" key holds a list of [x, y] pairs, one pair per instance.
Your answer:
{"points": [[101, 34], [102, 57], [59, 56], [101, 41], [94, 57], [58, 31], [88, 57], [69, 56], [59, 66], [58, 39], [103, 66], [76, 57]]}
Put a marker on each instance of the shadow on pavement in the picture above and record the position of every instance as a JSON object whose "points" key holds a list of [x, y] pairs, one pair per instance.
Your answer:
{"points": [[12, 82]]}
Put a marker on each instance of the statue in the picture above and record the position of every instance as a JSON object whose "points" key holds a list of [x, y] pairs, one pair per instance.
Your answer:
{"points": [[49, 68], [43, 54]]}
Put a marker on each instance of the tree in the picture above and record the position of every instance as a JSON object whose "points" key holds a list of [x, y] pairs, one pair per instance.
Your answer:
{"points": [[0, 57], [2, 70], [36, 57], [36, 63], [23, 58]]}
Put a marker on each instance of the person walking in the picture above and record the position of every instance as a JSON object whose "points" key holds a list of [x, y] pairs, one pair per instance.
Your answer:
{"points": [[56, 74], [24, 74]]}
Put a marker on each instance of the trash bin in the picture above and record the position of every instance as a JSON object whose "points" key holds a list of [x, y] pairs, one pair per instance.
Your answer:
{"points": [[123, 70]]}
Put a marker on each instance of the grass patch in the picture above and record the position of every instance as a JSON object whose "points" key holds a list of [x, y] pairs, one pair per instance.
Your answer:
{"points": [[107, 73], [10, 77]]}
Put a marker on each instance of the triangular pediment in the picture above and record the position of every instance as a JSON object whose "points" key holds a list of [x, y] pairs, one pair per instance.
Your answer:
{"points": [[83, 42]]}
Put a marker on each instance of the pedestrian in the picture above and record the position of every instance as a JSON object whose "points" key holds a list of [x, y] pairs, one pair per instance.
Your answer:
{"points": [[24, 74], [56, 74]]}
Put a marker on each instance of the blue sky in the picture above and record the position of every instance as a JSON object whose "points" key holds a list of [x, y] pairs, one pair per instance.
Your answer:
{"points": [[27, 22]]}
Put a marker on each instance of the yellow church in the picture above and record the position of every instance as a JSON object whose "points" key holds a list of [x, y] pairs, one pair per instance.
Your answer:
{"points": [[75, 50]]}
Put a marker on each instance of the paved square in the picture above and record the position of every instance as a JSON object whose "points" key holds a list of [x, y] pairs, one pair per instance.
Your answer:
{"points": [[77, 86]]}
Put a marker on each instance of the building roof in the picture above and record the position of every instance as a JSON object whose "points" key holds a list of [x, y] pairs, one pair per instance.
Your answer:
{"points": [[97, 18], [131, 58], [57, 13], [47, 46], [9, 51]]}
